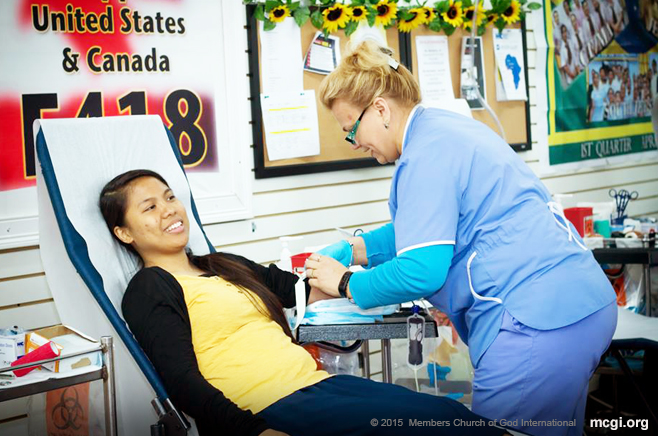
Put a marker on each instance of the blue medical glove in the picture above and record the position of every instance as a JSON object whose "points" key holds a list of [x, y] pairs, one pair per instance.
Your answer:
{"points": [[441, 372], [454, 396], [341, 251]]}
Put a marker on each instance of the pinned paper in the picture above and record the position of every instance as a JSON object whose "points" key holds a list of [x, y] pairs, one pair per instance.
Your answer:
{"points": [[510, 68], [281, 58], [291, 125], [434, 69], [323, 55]]}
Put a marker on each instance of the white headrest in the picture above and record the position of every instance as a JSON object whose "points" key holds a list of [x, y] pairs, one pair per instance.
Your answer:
{"points": [[86, 153]]}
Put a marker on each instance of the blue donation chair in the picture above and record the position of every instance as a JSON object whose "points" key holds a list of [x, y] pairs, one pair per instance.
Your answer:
{"points": [[86, 269]]}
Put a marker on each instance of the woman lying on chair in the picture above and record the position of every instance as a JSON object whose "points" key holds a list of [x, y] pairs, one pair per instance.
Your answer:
{"points": [[214, 328]]}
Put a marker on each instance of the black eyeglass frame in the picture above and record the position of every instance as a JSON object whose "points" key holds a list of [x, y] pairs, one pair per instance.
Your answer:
{"points": [[351, 136]]}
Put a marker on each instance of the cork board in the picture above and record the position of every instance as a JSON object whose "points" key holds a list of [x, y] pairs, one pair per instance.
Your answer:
{"points": [[513, 115], [335, 152]]}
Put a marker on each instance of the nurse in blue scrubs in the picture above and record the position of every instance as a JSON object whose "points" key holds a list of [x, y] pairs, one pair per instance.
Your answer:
{"points": [[475, 232]]}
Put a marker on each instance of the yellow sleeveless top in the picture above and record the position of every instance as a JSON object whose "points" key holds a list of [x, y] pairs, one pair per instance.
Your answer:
{"points": [[240, 351]]}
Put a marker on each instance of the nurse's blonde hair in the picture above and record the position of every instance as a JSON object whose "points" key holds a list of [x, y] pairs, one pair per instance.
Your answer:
{"points": [[365, 74]]}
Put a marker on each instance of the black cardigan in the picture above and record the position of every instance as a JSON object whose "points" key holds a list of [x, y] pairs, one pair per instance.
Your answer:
{"points": [[154, 308]]}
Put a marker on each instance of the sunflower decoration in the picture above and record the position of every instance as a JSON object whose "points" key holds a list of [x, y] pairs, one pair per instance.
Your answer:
{"points": [[454, 15], [279, 13], [336, 17], [429, 14], [490, 19], [386, 11], [468, 17], [359, 13], [411, 19], [513, 13]]}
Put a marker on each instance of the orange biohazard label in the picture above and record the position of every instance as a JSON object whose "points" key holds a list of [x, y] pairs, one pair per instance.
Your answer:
{"points": [[616, 278], [620, 290], [589, 226], [67, 411]]}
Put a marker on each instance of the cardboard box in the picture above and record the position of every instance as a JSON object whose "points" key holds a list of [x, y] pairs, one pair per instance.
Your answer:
{"points": [[69, 341], [11, 348]]}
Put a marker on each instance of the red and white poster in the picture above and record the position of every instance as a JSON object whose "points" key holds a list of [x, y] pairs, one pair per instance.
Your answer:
{"points": [[91, 58]]}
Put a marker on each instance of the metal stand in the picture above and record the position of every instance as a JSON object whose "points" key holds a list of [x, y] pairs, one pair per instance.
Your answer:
{"points": [[647, 293], [629, 375], [392, 327], [365, 353], [644, 256], [387, 370], [106, 373], [170, 422], [109, 386]]}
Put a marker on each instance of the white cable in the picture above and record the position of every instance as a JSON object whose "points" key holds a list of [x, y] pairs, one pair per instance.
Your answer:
{"points": [[416, 378], [436, 380], [434, 364], [471, 42]]}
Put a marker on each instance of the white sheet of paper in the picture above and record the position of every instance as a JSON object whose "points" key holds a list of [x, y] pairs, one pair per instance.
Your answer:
{"points": [[457, 105], [363, 32], [281, 58], [434, 68], [290, 122], [508, 50], [323, 54]]}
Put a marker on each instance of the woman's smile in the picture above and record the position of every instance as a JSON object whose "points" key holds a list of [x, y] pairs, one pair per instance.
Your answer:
{"points": [[176, 227]]}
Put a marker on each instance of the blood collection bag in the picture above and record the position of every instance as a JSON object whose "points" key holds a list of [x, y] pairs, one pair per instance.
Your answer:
{"points": [[415, 333]]}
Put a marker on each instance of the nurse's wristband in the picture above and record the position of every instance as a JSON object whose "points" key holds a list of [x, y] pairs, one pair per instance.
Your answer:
{"points": [[342, 285]]}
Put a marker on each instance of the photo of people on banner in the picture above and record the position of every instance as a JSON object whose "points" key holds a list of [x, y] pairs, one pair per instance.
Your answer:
{"points": [[617, 89], [581, 30], [602, 76]]}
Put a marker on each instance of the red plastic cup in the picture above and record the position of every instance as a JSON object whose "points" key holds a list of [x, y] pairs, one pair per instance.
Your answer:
{"points": [[581, 219], [298, 261], [46, 351]]}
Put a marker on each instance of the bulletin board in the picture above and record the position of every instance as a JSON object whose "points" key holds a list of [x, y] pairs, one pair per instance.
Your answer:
{"points": [[513, 115], [335, 152]]}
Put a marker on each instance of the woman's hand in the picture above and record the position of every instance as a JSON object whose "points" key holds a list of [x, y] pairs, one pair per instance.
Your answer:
{"points": [[270, 432], [324, 273]]}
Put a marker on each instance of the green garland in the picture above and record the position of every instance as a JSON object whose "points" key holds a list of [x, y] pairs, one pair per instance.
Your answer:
{"points": [[444, 16]]}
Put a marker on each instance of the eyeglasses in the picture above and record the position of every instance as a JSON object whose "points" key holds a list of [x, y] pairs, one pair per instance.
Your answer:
{"points": [[351, 137]]}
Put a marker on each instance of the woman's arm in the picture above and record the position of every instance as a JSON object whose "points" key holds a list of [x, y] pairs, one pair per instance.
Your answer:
{"points": [[413, 275], [158, 318], [378, 245]]}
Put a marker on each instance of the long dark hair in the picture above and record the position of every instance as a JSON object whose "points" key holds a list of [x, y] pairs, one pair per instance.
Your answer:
{"points": [[113, 203]]}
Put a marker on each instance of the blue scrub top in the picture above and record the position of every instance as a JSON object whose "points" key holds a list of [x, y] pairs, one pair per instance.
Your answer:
{"points": [[457, 182]]}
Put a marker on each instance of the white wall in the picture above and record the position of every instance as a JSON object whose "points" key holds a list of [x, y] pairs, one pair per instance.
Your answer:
{"points": [[308, 205]]}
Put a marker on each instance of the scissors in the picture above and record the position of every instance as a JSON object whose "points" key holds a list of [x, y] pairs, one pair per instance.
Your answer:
{"points": [[622, 197]]}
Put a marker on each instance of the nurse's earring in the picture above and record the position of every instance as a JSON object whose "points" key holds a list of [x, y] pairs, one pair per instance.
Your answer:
{"points": [[386, 125]]}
